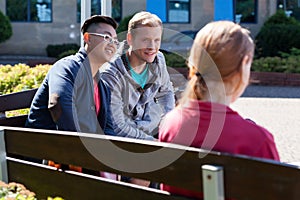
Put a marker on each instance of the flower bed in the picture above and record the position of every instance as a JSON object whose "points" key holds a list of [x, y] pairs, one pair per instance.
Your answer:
{"points": [[15, 191]]}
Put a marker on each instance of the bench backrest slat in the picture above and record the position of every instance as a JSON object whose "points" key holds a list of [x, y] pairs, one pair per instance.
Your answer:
{"points": [[16, 121], [18, 100], [244, 177], [15, 101], [49, 182]]}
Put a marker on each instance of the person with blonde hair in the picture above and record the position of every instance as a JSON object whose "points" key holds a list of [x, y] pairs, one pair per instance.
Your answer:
{"points": [[141, 90], [219, 70]]}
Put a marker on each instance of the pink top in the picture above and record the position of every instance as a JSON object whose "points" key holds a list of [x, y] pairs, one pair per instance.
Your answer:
{"points": [[97, 97], [215, 127]]}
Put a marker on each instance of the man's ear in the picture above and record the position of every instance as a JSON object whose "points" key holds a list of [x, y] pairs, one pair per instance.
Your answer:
{"points": [[129, 39], [86, 37]]}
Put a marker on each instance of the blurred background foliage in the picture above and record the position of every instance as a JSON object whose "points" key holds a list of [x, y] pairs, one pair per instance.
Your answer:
{"points": [[21, 77]]}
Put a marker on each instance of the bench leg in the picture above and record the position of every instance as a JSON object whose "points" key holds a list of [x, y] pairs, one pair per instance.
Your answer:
{"points": [[213, 182], [3, 164]]}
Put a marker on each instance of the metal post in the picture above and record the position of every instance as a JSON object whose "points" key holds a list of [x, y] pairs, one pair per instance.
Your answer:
{"points": [[85, 13], [106, 7], [3, 164], [284, 5], [213, 182]]}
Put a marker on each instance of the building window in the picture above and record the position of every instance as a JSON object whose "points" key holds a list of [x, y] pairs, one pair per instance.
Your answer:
{"points": [[246, 11], [29, 10], [178, 11], [291, 7], [96, 9]]}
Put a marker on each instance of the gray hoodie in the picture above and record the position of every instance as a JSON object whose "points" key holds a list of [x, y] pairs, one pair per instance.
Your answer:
{"points": [[136, 111]]}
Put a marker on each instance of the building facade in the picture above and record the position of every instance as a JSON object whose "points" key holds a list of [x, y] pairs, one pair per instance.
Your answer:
{"points": [[36, 24]]}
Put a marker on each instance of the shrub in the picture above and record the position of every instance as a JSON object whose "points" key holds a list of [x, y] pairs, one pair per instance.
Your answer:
{"points": [[174, 60], [278, 34], [280, 18], [267, 64], [5, 28], [56, 50], [273, 39], [18, 78], [287, 63], [67, 53], [21, 77], [123, 26]]}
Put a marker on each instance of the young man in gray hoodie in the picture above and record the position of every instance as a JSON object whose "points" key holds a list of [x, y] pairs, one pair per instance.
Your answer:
{"points": [[141, 90]]}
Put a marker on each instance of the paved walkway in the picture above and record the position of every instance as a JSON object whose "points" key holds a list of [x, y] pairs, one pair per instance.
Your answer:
{"points": [[277, 109]]}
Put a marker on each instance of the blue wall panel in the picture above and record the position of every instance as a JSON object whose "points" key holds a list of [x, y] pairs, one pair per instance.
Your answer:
{"points": [[224, 10], [158, 7]]}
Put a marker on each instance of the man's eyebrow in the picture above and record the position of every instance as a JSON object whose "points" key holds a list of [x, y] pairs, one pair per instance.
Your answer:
{"points": [[108, 33]]}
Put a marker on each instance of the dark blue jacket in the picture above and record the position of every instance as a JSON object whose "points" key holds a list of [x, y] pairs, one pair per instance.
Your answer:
{"points": [[65, 99]]}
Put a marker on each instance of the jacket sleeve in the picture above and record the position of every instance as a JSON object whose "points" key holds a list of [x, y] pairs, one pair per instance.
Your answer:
{"points": [[165, 96], [152, 116], [123, 125], [61, 102]]}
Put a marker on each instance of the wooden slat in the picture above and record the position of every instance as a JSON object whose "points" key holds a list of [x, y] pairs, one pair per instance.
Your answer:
{"points": [[17, 121], [68, 149], [15, 101], [45, 182], [245, 177]]}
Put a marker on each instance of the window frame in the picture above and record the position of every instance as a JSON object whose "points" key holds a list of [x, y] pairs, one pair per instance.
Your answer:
{"points": [[177, 22], [97, 10], [28, 13], [255, 15], [290, 10]]}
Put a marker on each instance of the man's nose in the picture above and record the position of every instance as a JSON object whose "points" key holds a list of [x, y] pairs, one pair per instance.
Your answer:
{"points": [[151, 44]]}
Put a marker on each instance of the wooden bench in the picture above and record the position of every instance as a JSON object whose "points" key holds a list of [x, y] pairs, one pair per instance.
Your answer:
{"points": [[15, 101], [214, 173]]}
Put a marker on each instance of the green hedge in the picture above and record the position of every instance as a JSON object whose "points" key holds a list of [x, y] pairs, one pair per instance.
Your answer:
{"points": [[174, 60], [57, 49], [286, 63], [21, 77], [5, 28]]}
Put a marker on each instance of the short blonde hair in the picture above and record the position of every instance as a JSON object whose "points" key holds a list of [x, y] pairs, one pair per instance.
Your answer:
{"points": [[144, 19]]}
